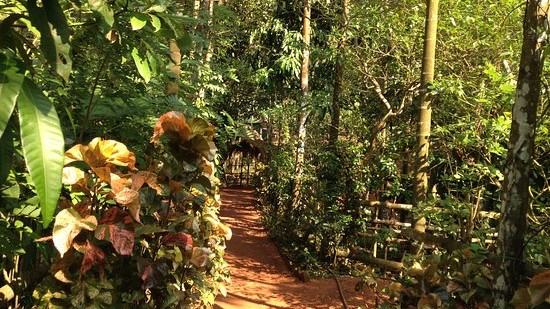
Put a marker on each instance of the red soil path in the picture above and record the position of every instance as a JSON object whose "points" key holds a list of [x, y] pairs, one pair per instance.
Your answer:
{"points": [[260, 277]]}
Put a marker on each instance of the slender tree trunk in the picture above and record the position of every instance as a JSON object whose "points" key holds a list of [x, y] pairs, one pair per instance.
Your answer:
{"points": [[208, 6], [338, 77], [425, 113], [196, 8], [304, 85], [516, 198]]}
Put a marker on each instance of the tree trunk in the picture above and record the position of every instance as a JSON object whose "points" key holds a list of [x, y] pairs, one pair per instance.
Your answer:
{"points": [[304, 85], [425, 113], [196, 8], [516, 198], [208, 6], [338, 77]]}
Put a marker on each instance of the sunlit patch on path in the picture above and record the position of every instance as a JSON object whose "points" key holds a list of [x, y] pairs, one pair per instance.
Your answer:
{"points": [[260, 278]]}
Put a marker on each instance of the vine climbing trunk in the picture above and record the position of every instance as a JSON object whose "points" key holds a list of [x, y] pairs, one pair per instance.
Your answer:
{"points": [[516, 197], [302, 119], [425, 111], [338, 76]]}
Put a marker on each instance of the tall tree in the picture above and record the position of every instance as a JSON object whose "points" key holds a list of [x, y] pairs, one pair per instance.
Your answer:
{"points": [[338, 75], [208, 6], [304, 86], [425, 112], [516, 197]]}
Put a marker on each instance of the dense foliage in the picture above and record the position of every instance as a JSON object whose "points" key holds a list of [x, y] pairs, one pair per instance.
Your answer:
{"points": [[473, 94], [93, 77], [129, 229]]}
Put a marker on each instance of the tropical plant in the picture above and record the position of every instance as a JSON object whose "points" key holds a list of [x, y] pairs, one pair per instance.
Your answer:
{"points": [[150, 238]]}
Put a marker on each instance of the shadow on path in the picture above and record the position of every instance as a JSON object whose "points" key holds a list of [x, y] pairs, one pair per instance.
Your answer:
{"points": [[260, 278]]}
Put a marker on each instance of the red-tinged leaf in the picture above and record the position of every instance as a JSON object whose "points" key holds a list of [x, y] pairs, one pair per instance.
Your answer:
{"points": [[175, 186], [111, 215], [539, 288], [182, 240], [199, 257], [120, 237], [134, 208], [174, 125], [93, 256], [126, 196], [144, 177], [154, 273], [116, 228]]}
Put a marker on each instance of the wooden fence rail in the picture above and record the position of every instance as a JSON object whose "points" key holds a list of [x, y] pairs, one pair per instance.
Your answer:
{"points": [[418, 231]]}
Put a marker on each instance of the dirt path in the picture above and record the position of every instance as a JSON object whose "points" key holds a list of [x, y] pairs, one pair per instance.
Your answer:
{"points": [[260, 278]]}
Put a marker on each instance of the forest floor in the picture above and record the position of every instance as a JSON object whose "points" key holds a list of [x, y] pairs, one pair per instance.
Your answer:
{"points": [[259, 275]]}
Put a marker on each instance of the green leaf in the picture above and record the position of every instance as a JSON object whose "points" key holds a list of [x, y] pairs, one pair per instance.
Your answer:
{"points": [[54, 35], [103, 10], [142, 65], [539, 288], [155, 21], [43, 146], [9, 193], [6, 154], [11, 79], [138, 20]]}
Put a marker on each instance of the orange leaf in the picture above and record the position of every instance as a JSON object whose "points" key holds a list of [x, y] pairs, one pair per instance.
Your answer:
{"points": [[174, 125], [134, 207], [103, 173], [126, 196], [207, 166], [111, 151], [175, 186], [539, 288], [118, 183], [99, 153], [144, 177], [75, 154]]}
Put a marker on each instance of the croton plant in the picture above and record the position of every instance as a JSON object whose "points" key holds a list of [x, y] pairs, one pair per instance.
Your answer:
{"points": [[149, 238]]}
